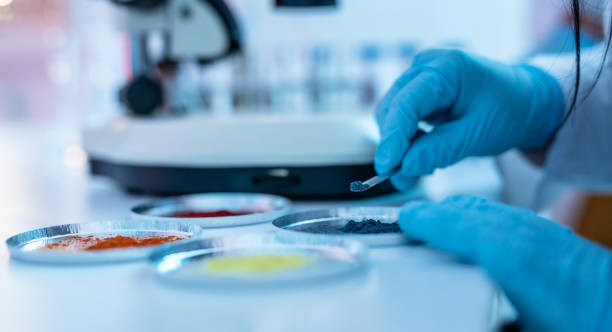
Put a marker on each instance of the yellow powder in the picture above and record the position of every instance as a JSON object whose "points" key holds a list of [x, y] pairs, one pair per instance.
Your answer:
{"points": [[256, 264]]}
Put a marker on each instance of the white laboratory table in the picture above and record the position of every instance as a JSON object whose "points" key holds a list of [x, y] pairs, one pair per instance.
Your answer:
{"points": [[44, 181]]}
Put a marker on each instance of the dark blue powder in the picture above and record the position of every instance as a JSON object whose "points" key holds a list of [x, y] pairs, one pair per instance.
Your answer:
{"points": [[369, 226]]}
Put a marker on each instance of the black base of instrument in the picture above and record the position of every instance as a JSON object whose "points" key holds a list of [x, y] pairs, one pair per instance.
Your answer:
{"points": [[320, 182]]}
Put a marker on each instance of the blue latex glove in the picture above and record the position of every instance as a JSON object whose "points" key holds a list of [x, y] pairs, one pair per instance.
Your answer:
{"points": [[479, 107], [557, 280]]}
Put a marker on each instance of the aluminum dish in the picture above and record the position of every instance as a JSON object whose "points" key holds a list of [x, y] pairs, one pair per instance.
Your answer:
{"points": [[184, 263], [271, 206], [27, 246], [328, 222]]}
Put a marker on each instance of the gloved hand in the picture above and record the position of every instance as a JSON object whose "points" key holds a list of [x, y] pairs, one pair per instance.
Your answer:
{"points": [[557, 280], [478, 106]]}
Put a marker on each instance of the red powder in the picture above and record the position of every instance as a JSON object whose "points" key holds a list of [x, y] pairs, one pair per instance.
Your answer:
{"points": [[208, 214], [81, 243]]}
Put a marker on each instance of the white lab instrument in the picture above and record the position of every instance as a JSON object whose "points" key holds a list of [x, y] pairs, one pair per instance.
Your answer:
{"points": [[151, 150]]}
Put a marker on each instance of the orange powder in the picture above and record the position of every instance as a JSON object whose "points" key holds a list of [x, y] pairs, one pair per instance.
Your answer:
{"points": [[91, 243]]}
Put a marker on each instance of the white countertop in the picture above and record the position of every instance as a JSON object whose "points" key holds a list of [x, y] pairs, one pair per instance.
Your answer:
{"points": [[44, 182]]}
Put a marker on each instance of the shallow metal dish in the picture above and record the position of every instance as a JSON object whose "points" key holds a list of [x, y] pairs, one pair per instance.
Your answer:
{"points": [[184, 262], [328, 222], [273, 207], [27, 246]]}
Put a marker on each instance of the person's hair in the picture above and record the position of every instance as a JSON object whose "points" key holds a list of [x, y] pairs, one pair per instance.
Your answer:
{"points": [[576, 11]]}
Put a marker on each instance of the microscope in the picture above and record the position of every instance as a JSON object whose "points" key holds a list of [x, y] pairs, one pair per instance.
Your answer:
{"points": [[154, 148]]}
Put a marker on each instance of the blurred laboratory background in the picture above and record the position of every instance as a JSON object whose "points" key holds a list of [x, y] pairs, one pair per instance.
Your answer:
{"points": [[65, 61], [69, 64]]}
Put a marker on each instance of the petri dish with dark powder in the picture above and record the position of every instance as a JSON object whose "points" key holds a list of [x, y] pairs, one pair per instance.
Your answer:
{"points": [[375, 226]]}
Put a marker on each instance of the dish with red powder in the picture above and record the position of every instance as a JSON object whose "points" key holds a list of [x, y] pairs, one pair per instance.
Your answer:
{"points": [[210, 214], [214, 210]]}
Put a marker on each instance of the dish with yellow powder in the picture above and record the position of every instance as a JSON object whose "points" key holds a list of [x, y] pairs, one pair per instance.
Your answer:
{"points": [[257, 259]]}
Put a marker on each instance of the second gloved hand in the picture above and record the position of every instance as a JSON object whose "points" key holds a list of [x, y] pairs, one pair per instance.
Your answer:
{"points": [[557, 280], [478, 106]]}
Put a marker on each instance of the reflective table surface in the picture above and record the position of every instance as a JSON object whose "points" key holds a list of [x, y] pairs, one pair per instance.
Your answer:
{"points": [[44, 182]]}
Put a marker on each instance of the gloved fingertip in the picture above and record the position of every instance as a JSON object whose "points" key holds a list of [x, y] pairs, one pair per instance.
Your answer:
{"points": [[417, 161], [390, 150], [410, 166], [382, 164], [414, 210], [413, 220], [385, 158], [435, 224], [416, 205], [403, 183]]}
